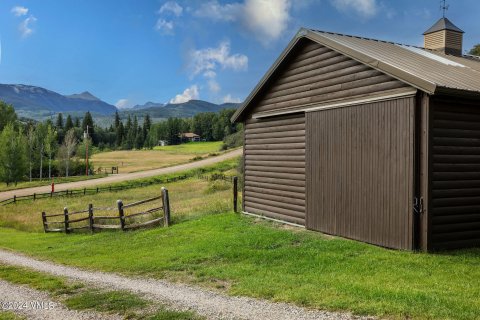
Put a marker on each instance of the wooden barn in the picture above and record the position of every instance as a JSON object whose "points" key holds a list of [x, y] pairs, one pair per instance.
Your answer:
{"points": [[368, 140]]}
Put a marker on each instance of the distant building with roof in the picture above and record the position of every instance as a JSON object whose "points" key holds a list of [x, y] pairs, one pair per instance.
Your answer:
{"points": [[190, 136], [370, 140]]}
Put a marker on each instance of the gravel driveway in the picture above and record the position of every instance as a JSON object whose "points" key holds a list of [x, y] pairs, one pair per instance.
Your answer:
{"points": [[122, 177], [210, 304], [38, 305]]}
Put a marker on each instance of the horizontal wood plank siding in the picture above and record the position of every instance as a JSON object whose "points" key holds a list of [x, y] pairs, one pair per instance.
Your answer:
{"points": [[315, 74], [359, 172], [455, 207], [275, 168]]}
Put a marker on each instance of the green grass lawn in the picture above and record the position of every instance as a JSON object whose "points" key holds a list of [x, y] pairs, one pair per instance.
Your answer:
{"points": [[210, 246], [192, 147], [255, 258], [46, 182]]}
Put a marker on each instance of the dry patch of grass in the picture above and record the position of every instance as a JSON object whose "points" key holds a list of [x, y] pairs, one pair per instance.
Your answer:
{"points": [[188, 198], [160, 157]]}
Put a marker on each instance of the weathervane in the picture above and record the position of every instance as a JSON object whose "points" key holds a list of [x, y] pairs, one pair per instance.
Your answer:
{"points": [[444, 6]]}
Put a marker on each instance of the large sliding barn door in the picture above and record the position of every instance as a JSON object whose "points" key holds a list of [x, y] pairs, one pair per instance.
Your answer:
{"points": [[360, 172], [275, 168]]}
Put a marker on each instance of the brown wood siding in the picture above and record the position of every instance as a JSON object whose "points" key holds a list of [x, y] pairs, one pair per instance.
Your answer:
{"points": [[315, 74], [275, 168], [359, 169], [455, 207]]}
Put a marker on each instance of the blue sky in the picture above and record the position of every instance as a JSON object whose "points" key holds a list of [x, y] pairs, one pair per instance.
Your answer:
{"points": [[129, 52]]}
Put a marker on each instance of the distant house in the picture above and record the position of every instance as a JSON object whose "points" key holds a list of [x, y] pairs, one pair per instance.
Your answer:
{"points": [[190, 136], [162, 143]]}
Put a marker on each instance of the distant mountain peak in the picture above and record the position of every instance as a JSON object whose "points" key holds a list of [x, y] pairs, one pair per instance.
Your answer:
{"points": [[84, 95], [35, 101]]}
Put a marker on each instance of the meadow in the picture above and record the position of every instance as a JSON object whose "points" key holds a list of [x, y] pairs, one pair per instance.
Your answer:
{"points": [[209, 245], [160, 157]]}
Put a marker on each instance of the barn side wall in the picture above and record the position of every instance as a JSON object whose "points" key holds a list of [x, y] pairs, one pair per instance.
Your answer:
{"points": [[275, 168], [359, 169], [455, 173]]}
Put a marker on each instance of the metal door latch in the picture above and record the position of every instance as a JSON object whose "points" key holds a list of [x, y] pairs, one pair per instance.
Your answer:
{"points": [[418, 205]]}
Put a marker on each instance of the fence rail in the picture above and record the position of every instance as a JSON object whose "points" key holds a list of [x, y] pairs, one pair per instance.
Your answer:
{"points": [[87, 191], [126, 221]]}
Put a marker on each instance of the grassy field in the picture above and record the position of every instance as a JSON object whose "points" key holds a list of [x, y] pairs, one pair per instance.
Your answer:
{"points": [[46, 182], [139, 160], [208, 245]]}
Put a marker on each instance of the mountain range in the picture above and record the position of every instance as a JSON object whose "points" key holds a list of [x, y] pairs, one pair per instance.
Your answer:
{"points": [[35, 102], [39, 103]]}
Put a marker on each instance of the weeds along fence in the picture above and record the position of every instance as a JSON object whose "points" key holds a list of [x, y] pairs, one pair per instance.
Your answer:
{"points": [[99, 218], [88, 191]]}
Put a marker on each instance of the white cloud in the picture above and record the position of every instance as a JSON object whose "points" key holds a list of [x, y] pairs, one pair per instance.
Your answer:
{"points": [[123, 104], [164, 26], [173, 7], [26, 27], [207, 60], [19, 11], [216, 11], [213, 86], [229, 99], [365, 8], [265, 19], [187, 95]]}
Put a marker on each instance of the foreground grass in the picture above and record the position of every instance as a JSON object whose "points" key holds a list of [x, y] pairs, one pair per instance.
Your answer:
{"points": [[46, 182], [247, 257], [160, 157], [76, 297], [7, 315]]}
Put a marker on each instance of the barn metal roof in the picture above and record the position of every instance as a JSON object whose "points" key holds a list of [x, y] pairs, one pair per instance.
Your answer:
{"points": [[430, 71]]}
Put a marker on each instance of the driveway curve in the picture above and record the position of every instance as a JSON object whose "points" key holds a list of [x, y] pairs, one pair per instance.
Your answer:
{"points": [[122, 177]]}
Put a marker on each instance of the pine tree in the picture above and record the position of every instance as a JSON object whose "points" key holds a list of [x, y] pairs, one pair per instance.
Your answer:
{"points": [[68, 123], [59, 123], [88, 121], [147, 124], [119, 135], [117, 120], [77, 122]]}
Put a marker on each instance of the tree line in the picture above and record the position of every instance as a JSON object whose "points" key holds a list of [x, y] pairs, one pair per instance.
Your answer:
{"points": [[31, 149]]}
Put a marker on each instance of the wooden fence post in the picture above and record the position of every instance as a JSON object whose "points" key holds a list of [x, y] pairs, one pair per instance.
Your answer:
{"points": [[34, 196], [97, 189], [67, 225], [90, 217], [44, 220], [166, 206], [235, 194], [14, 198], [121, 214]]}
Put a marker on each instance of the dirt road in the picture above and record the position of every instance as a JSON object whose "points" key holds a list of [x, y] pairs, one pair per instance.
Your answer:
{"points": [[121, 177], [210, 304]]}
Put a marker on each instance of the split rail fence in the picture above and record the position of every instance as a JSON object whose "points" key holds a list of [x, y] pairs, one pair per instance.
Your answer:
{"points": [[88, 220], [88, 191]]}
